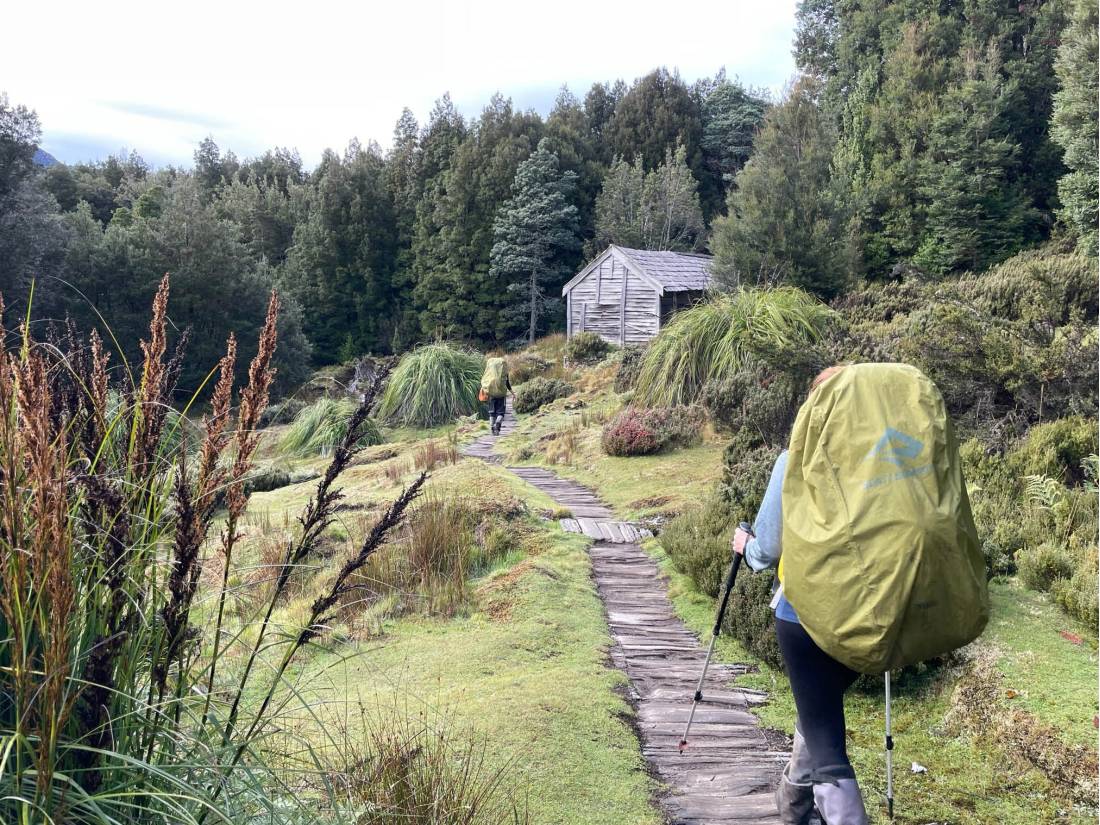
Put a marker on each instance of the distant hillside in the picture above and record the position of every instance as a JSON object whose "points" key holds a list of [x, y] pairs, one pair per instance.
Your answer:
{"points": [[42, 158]]}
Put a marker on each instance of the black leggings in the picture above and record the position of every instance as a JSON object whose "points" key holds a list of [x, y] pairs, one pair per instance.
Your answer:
{"points": [[818, 683], [497, 407]]}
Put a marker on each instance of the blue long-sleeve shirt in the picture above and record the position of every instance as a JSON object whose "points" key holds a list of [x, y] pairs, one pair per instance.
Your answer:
{"points": [[763, 551]]}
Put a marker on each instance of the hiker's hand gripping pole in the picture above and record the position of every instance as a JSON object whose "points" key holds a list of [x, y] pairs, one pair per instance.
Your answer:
{"points": [[731, 577]]}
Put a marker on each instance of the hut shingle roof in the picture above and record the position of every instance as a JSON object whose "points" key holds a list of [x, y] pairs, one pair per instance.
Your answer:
{"points": [[675, 271]]}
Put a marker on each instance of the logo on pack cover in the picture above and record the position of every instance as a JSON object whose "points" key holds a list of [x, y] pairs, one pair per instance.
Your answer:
{"points": [[896, 447], [901, 450]]}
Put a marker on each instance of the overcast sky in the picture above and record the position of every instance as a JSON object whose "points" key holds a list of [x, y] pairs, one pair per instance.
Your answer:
{"points": [[159, 77]]}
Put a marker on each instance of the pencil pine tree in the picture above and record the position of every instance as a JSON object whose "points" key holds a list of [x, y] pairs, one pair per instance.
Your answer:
{"points": [[535, 240], [1074, 125]]}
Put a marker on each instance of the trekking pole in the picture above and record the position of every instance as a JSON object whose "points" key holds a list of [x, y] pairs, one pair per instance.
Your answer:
{"points": [[889, 755], [730, 578]]}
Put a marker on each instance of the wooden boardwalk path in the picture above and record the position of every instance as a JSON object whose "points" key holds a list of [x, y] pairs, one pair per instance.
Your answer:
{"points": [[729, 771]]}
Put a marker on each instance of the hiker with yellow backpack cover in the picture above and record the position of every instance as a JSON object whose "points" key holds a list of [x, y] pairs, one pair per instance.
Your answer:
{"points": [[495, 387], [867, 520]]}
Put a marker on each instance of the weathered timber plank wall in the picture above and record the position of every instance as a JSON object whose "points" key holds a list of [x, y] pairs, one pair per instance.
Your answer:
{"points": [[596, 305]]}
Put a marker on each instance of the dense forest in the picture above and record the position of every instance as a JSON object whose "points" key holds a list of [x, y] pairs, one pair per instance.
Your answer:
{"points": [[918, 139]]}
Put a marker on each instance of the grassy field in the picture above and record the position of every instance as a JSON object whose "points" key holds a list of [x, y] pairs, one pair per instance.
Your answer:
{"points": [[521, 670]]}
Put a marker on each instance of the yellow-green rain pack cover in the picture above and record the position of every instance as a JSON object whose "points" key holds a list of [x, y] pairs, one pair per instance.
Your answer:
{"points": [[495, 378], [881, 559]]}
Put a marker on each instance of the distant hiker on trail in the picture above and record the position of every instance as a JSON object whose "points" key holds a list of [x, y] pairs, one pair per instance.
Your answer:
{"points": [[495, 387], [867, 521]]}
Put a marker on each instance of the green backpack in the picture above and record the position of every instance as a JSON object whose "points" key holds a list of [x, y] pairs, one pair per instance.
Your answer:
{"points": [[881, 559], [495, 379]]}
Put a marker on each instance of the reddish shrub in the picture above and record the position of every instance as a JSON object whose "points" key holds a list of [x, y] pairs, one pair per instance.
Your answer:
{"points": [[639, 431]]}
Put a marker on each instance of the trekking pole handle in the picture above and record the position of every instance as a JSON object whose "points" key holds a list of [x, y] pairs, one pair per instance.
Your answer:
{"points": [[730, 578]]}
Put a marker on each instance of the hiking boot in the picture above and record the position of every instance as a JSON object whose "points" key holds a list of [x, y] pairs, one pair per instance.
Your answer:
{"points": [[840, 803], [794, 800], [795, 795]]}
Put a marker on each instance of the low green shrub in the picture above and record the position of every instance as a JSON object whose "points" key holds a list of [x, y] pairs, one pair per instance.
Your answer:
{"points": [[629, 367], [524, 366], [586, 348], [282, 412], [745, 475], [275, 478], [1057, 449], [432, 385], [698, 542], [640, 431], [538, 392], [1079, 594], [1019, 339], [750, 619], [1041, 566], [323, 424], [760, 398], [1036, 524]]}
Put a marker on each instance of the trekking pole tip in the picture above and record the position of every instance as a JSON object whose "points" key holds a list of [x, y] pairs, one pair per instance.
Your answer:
{"points": [[683, 745]]}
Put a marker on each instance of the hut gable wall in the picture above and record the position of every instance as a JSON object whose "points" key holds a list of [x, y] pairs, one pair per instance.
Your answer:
{"points": [[597, 303]]}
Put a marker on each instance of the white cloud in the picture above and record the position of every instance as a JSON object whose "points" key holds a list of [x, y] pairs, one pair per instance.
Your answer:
{"points": [[158, 77]]}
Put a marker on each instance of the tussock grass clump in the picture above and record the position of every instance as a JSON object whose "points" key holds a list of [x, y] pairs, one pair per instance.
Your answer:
{"points": [[445, 542], [432, 385], [713, 340], [435, 452], [403, 769], [322, 425]]}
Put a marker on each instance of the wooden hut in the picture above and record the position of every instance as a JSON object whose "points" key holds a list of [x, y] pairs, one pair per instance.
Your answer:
{"points": [[626, 295]]}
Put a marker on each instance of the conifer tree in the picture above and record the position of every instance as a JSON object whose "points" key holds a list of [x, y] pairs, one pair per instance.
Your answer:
{"points": [[784, 224], [975, 214], [535, 233], [573, 140], [1074, 126], [340, 267], [732, 115], [658, 210], [454, 292], [619, 207]]}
